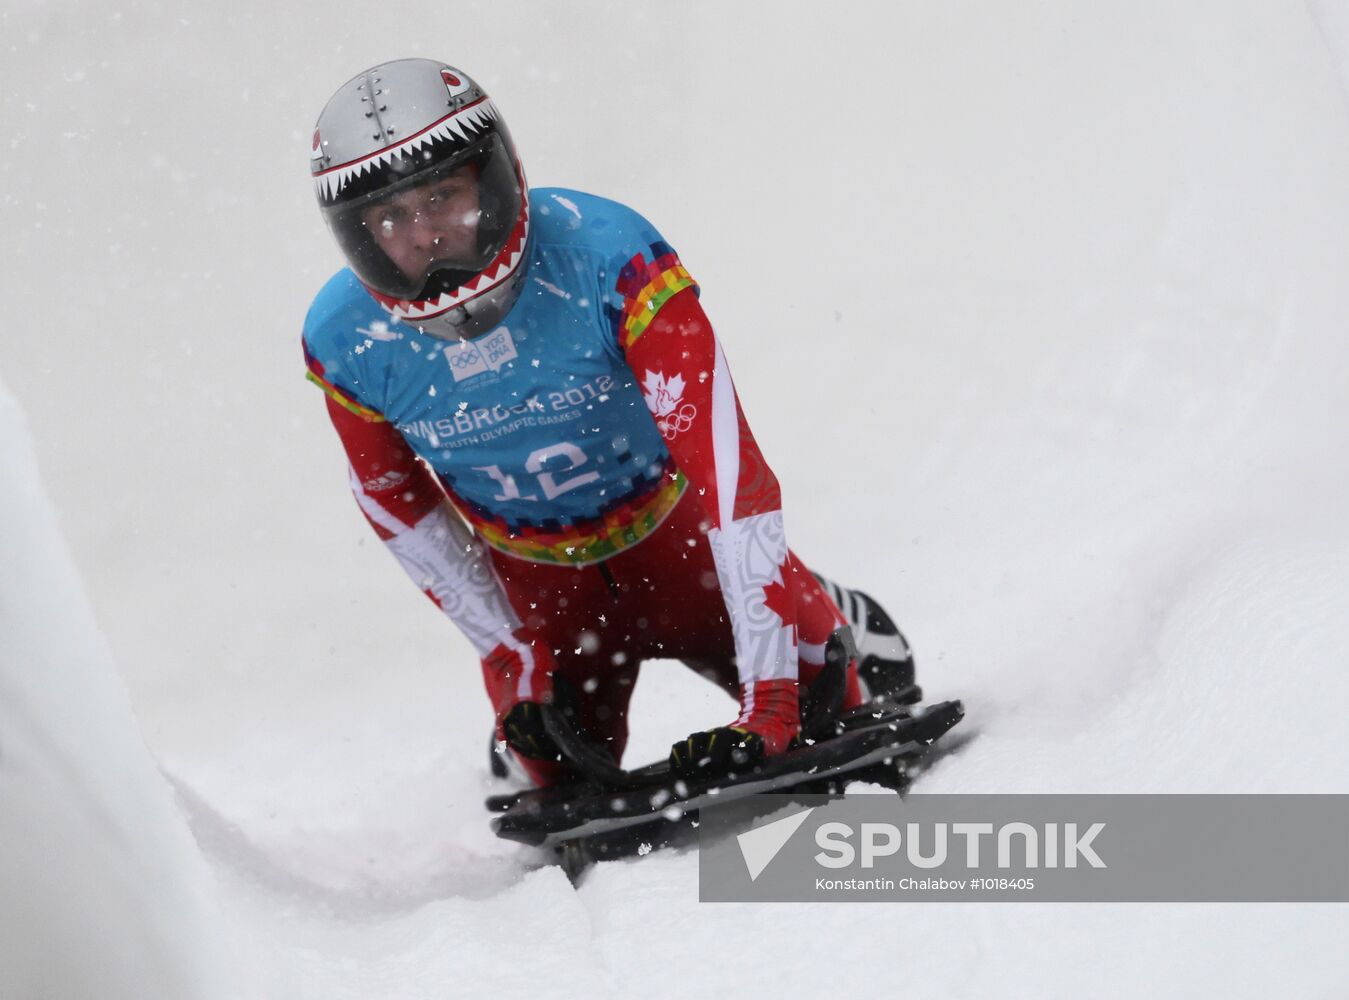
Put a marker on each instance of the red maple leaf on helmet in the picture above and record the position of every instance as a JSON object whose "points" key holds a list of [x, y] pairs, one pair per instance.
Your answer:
{"points": [[778, 600]]}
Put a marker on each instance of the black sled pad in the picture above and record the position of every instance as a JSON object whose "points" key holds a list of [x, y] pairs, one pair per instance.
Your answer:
{"points": [[610, 799]]}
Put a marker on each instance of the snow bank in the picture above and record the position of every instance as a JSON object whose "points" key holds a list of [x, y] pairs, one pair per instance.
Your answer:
{"points": [[101, 891]]}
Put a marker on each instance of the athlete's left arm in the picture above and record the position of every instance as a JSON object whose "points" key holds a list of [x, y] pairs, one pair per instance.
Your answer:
{"points": [[683, 374]]}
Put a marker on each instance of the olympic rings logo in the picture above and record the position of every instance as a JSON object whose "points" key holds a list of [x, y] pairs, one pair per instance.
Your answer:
{"points": [[463, 359], [677, 422]]}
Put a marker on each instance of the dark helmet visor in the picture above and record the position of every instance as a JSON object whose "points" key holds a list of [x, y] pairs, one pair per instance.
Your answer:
{"points": [[436, 226]]}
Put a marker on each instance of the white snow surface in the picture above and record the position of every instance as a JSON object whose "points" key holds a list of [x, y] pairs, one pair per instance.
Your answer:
{"points": [[1038, 310], [102, 891]]}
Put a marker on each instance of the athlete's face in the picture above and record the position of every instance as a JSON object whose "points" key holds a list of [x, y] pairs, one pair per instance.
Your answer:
{"points": [[434, 222]]}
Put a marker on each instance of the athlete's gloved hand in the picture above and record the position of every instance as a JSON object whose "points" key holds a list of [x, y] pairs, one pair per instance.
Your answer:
{"points": [[769, 721], [524, 727], [526, 734], [724, 750]]}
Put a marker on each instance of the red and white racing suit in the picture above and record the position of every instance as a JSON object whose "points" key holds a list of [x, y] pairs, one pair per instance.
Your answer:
{"points": [[714, 585]]}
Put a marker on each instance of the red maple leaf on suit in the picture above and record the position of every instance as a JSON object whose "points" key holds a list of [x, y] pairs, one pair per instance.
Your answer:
{"points": [[778, 599]]}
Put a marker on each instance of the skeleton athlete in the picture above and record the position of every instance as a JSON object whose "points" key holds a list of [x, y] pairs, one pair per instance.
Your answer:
{"points": [[542, 428]]}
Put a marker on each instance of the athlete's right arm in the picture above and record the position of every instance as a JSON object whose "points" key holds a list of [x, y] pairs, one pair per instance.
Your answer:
{"points": [[409, 512]]}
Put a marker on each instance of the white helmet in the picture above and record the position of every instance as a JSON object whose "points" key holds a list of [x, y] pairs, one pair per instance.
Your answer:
{"points": [[419, 182]]}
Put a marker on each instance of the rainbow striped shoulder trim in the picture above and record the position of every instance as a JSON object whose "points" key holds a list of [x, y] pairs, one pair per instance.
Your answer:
{"points": [[645, 286]]}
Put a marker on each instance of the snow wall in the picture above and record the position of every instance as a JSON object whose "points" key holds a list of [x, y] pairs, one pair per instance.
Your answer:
{"points": [[102, 892]]}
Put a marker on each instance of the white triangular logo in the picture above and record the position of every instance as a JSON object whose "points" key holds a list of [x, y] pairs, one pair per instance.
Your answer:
{"points": [[762, 844]]}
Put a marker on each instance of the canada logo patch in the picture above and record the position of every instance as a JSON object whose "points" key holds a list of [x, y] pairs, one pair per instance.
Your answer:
{"points": [[665, 399]]}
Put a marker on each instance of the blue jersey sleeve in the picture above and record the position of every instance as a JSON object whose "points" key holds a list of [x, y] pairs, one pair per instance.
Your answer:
{"points": [[638, 271], [332, 347]]}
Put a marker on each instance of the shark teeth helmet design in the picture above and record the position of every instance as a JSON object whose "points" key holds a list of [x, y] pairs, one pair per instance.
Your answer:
{"points": [[420, 184]]}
